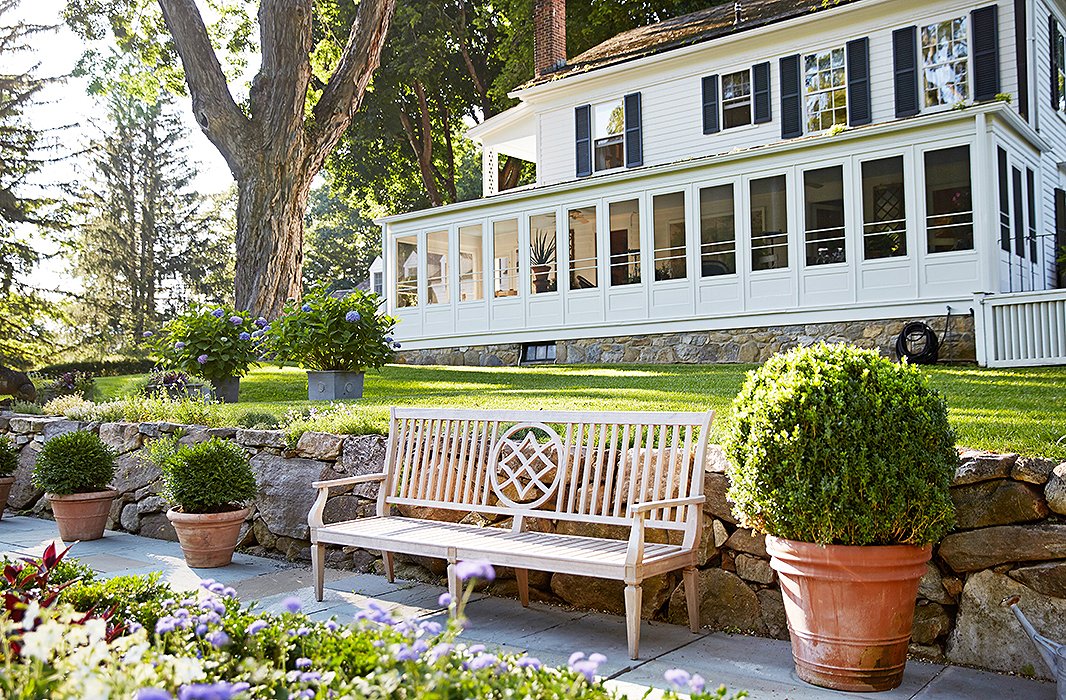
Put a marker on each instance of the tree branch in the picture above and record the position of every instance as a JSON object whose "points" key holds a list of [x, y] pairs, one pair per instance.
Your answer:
{"points": [[279, 90]]}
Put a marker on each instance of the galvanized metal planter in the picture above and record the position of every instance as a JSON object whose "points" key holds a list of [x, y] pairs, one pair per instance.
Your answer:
{"points": [[330, 385], [1053, 653], [226, 390]]}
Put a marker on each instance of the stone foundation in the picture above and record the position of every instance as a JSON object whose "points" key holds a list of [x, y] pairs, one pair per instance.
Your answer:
{"points": [[708, 347], [1010, 538]]}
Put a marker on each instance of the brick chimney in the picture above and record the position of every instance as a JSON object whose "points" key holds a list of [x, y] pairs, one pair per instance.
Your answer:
{"points": [[549, 35]]}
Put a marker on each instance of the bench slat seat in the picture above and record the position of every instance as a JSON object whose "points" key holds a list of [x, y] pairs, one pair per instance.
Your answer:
{"points": [[630, 471]]}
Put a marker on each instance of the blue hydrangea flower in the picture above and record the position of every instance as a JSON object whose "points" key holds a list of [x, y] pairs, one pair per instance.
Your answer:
{"points": [[396, 345], [389, 339], [292, 604], [261, 322], [179, 345], [305, 308], [475, 568], [352, 317], [218, 313], [245, 336], [236, 320], [202, 359], [303, 662], [147, 334]]}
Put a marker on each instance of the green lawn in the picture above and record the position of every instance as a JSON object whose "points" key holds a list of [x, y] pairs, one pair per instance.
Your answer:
{"points": [[1022, 410]]}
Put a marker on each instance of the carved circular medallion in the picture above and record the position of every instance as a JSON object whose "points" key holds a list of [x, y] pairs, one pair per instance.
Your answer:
{"points": [[525, 472]]}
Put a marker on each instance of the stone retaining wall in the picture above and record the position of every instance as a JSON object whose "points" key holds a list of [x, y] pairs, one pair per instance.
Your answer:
{"points": [[709, 347], [1011, 538]]}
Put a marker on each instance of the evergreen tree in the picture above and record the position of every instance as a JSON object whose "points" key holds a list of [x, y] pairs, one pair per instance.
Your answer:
{"points": [[340, 242]]}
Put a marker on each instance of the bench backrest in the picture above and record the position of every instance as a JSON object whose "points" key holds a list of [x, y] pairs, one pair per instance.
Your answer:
{"points": [[560, 465]]}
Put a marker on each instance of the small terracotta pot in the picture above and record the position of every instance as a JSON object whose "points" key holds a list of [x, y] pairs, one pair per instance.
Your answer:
{"points": [[82, 516], [5, 490], [849, 610], [208, 539]]}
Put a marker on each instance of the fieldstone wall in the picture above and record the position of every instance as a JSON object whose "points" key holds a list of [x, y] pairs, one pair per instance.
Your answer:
{"points": [[709, 347], [1010, 538]]}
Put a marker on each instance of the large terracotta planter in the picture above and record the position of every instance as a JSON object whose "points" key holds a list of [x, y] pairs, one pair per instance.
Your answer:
{"points": [[5, 491], [207, 539], [849, 610], [82, 516]]}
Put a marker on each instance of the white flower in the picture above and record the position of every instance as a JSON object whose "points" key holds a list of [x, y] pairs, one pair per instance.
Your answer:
{"points": [[32, 611], [39, 643], [186, 670]]}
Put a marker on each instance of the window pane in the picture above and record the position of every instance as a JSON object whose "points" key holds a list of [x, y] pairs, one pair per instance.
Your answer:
{"points": [[608, 128], [625, 242], [668, 212], [505, 258], [437, 267], [736, 99], [823, 206], [769, 224], [718, 240], [406, 271], [543, 265], [582, 248], [825, 90], [949, 208], [944, 62], [471, 263], [884, 212], [610, 153]]}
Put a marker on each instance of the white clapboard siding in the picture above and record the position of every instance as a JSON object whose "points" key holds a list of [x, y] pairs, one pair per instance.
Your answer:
{"points": [[1020, 330]]}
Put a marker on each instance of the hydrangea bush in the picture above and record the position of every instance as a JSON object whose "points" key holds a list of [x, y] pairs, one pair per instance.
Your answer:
{"points": [[326, 332], [215, 343]]}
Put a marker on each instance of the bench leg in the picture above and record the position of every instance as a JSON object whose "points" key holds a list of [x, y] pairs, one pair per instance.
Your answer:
{"points": [[390, 568], [318, 568], [453, 582], [633, 595], [522, 576], [692, 599]]}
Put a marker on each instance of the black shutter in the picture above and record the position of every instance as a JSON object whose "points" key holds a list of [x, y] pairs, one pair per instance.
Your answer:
{"points": [[985, 33], [583, 139], [905, 65], [634, 133], [1053, 31], [1004, 200], [1021, 55], [1030, 200], [761, 90], [791, 107], [859, 111], [710, 105], [1060, 238]]}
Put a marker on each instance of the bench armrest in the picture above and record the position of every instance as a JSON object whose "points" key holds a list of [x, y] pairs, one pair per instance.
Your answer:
{"points": [[348, 481], [647, 506]]}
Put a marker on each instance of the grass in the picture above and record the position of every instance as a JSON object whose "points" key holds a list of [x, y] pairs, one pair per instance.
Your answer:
{"points": [[1016, 410]]}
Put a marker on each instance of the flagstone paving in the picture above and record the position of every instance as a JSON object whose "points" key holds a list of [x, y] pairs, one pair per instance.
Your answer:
{"points": [[763, 667]]}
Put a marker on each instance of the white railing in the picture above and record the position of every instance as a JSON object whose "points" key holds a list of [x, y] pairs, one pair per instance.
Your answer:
{"points": [[1021, 329]]}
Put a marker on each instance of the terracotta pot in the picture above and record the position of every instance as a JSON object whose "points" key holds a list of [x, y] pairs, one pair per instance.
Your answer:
{"points": [[82, 516], [849, 610], [208, 539], [5, 490]]}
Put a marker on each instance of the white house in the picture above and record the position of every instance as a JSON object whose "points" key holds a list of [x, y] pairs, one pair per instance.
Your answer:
{"points": [[718, 185]]}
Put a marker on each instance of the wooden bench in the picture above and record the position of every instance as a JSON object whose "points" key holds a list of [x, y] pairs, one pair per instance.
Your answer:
{"points": [[637, 470]]}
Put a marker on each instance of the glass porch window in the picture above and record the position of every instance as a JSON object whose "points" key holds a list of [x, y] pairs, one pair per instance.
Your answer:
{"points": [[543, 253], [945, 62], [948, 202], [582, 248], [825, 90], [406, 271], [471, 263], [718, 233], [505, 258], [625, 242], [769, 223], [437, 267], [668, 214], [823, 205], [884, 209]]}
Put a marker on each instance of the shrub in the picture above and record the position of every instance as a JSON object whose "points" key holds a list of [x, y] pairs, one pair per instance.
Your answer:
{"points": [[212, 343], [210, 477], [27, 408], [100, 368], [172, 383], [836, 445], [338, 419], [9, 458], [75, 462], [257, 420], [78, 384], [73, 407], [326, 332], [135, 598]]}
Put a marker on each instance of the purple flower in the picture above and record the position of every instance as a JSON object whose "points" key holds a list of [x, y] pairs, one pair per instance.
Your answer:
{"points": [[201, 629], [445, 600], [697, 683], [147, 334], [153, 694], [389, 339], [475, 568], [396, 345], [245, 336], [179, 345], [236, 320], [483, 661], [305, 308], [586, 667], [529, 662], [212, 691], [332, 625], [218, 639], [352, 317], [677, 677], [202, 359], [303, 662], [405, 653], [261, 322], [218, 313], [166, 624], [256, 627], [292, 604]]}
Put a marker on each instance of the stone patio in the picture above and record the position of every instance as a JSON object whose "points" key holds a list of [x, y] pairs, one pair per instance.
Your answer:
{"points": [[763, 667]]}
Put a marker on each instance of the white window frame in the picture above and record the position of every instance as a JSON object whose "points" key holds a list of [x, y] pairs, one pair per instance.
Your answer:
{"points": [[619, 103], [722, 99], [1061, 107], [806, 93], [922, 63]]}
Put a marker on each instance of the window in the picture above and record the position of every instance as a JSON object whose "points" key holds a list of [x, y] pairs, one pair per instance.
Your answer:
{"points": [[1019, 213], [406, 271], [884, 209], [543, 267], [718, 239], [769, 223], [609, 122], [948, 204], [437, 267], [825, 89], [1030, 192], [505, 258], [823, 207], [538, 352], [668, 215], [736, 99], [471, 263], [1059, 66], [1004, 201], [624, 220], [376, 284], [582, 247], [945, 62]]}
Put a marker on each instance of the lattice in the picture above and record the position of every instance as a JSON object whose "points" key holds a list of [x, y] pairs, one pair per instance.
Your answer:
{"points": [[526, 472]]}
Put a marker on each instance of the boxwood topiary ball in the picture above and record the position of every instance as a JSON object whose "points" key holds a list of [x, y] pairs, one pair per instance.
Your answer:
{"points": [[210, 477], [9, 458], [836, 445], [76, 462]]}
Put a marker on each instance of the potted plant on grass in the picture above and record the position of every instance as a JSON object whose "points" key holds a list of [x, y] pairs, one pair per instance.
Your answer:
{"points": [[209, 484], [336, 339], [218, 344], [845, 461], [74, 469], [9, 462]]}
